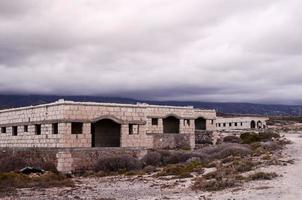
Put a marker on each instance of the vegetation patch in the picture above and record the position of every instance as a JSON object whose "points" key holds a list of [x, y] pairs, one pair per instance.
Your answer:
{"points": [[118, 164], [49, 179], [181, 170], [262, 176], [213, 185]]}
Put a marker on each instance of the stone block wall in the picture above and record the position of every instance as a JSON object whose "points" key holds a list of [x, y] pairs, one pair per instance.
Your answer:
{"points": [[64, 113]]}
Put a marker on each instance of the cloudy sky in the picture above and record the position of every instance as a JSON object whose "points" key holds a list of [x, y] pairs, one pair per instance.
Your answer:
{"points": [[205, 50]]}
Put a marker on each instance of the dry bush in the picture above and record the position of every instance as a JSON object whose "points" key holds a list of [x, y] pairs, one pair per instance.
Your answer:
{"points": [[220, 173], [268, 136], [243, 165], [11, 163], [15, 160], [270, 146], [249, 138], [213, 185], [18, 180], [225, 150], [152, 158], [182, 170], [262, 176], [117, 163], [163, 157], [231, 139]]}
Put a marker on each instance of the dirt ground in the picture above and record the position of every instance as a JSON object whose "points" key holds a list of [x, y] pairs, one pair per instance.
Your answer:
{"points": [[287, 186]]}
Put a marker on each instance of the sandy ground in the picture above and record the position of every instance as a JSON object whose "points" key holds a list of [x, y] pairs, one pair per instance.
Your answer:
{"points": [[288, 186]]}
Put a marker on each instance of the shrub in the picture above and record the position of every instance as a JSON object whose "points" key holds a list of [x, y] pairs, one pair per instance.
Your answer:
{"points": [[15, 160], [11, 163], [152, 158], [181, 170], [213, 185], [17, 180], [262, 176], [249, 138], [231, 139], [118, 163], [243, 165], [225, 150], [267, 136]]}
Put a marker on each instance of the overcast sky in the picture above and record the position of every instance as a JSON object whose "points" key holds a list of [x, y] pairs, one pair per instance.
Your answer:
{"points": [[204, 50]]}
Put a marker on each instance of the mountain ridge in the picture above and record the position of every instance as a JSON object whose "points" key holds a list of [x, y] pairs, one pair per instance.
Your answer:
{"points": [[13, 101]]}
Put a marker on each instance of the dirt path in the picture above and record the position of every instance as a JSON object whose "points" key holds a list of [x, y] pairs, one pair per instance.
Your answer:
{"points": [[287, 187]]}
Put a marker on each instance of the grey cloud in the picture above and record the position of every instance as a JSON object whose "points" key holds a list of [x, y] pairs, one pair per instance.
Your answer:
{"points": [[212, 50]]}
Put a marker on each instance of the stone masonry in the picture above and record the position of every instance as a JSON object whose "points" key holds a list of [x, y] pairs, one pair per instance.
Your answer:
{"points": [[68, 124], [75, 124]]}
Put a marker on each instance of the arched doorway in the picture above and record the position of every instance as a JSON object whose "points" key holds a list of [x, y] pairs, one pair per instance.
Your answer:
{"points": [[253, 124], [106, 133], [200, 124], [171, 124], [259, 124]]}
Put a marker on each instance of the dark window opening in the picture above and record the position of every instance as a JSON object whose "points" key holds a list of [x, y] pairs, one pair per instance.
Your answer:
{"points": [[212, 121], [15, 130], [76, 128], [200, 124], [38, 129], [25, 128], [236, 124], [55, 129], [130, 129], [3, 129], [171, 125], [230, 124], [241, 124], [154, 121], [133, 129], [224, 124]]}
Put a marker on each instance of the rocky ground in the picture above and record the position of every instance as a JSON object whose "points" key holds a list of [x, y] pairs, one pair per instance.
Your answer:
{"points": [[287, 186]]}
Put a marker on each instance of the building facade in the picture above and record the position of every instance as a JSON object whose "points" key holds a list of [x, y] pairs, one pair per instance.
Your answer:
{"points": [[75, 124], [240, 123], [79, 124]]}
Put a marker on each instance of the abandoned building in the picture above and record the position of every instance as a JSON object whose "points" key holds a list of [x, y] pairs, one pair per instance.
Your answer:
{"points": [[85, 124], [240, 123]]}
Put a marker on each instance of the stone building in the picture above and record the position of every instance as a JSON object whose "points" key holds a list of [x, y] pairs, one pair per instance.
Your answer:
{"points": [[240, 123], [75, 124], [86, 124]]}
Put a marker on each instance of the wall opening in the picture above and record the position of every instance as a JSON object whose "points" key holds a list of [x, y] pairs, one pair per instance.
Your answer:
{"points": [[171, 125], [3, 129], [76, 128], [154, 121], [200, 124], [106, 133], [25, 128], [15, 130], [38, 129], [259, 124], [253, 124], [55, 128]]}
